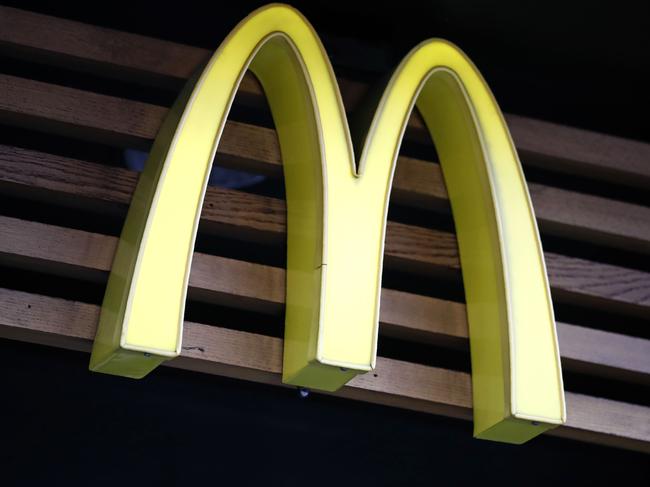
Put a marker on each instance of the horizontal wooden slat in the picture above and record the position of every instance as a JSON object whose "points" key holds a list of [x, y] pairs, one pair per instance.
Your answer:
{"points": [[98, 50], [78, 113], [133, 57], [408, 248], [418, 183], [233, 283], [575, 151], [610, 350], [67, 324]]}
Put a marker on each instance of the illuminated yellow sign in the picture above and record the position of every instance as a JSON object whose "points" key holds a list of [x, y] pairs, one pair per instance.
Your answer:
{"points": [[337, 221]]}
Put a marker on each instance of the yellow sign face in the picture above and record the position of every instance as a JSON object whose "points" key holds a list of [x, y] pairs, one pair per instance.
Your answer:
{"points": [[337, 222]]}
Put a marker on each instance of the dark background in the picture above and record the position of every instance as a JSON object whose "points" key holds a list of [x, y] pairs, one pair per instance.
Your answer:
{"points": [[581, 63], [577, 63], [63, 425]]}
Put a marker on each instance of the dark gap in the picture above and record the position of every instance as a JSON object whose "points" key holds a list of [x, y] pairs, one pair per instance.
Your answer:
{"points": [[606, 388], [424, 354], [235, 319], [260, 253], [438, 220], [351, 70], [584, 184], [602, 320], [419, 150], [50, 285], [272, 187], [253, 114], [61, 215], [442, 287], [61, 146], [358, 59], [595, 252]]}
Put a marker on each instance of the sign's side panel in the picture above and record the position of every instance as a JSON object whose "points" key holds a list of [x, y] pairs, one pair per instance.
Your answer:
{"points": [[516, 372], [108, 354]]}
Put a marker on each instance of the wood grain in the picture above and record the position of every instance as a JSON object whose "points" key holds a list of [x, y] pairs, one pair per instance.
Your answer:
{"points": [[262, 219], [72, 112], [592, 155], [249, 286], [417, 183], [61, 42], [68, 324], [107, 52]]}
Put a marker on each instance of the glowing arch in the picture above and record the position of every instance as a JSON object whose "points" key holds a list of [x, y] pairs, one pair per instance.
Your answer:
{"points": [[337, 220]]}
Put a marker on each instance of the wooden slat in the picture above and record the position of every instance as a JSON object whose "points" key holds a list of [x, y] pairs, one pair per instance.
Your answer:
{"points": [[133, 57], [414, 249], [68, 324], [418, 183], [77, 113], [575, 151], [70, 252], [609, 350], [97, 50]]}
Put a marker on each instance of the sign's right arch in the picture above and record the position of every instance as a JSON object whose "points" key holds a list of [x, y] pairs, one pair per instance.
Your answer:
{"points": [[516, 372]]}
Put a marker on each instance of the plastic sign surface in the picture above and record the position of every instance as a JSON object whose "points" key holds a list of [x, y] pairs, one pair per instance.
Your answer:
{"points": [[337, 221]]}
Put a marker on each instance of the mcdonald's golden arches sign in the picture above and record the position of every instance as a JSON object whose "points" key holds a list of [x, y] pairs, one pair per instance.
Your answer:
{"points": [[337, 204]]}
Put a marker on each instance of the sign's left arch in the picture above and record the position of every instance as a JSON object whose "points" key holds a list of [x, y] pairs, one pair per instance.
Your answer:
{"points": [[337, 219]]}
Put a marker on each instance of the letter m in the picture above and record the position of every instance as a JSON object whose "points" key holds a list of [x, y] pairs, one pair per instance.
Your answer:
{"points": [[337, 209]]}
